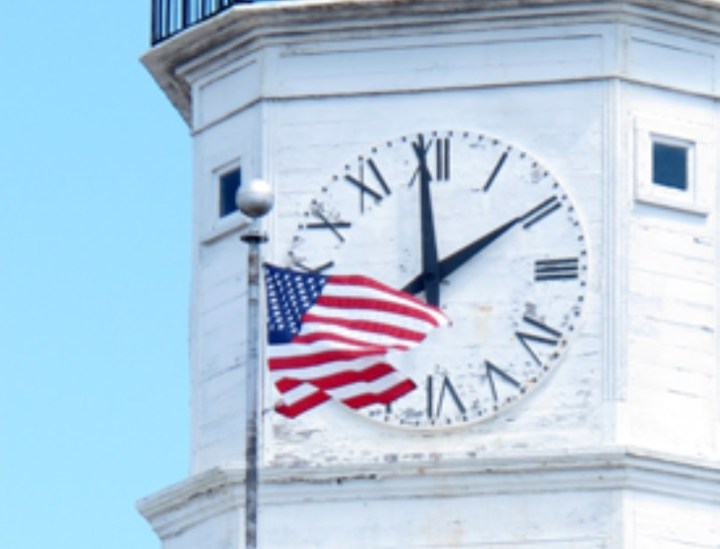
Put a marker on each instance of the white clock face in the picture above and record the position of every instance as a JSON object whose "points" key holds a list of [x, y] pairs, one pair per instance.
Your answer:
{"points": [[477, 227]]}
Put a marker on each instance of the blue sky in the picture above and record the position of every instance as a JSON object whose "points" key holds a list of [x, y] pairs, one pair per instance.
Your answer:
{"points": [[94, 277]]}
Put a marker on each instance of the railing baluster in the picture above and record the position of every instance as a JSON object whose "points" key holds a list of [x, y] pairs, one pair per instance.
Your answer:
{"points": [[167, 17], [170, 17], [153, 22]]}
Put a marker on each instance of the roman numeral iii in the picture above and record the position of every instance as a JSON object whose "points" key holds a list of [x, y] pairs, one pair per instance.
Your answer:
{"points": [[557, 269]]}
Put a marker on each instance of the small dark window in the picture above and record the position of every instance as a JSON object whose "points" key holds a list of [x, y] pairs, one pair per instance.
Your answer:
{"points": [[229, 184], [670, 166]]}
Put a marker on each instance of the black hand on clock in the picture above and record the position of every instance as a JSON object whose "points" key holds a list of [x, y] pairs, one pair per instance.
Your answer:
{"points": [[430, 276], [451, 263]]}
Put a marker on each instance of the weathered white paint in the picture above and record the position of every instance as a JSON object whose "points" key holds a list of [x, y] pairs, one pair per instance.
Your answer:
{"points": [[620, 497], [631, 418]]}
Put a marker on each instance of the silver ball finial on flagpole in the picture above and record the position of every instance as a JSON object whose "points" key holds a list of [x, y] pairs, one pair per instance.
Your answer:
{"points": [[254, 200]]}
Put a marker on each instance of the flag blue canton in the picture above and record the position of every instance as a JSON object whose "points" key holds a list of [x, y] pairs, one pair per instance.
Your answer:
{"points": [[289, 296]]}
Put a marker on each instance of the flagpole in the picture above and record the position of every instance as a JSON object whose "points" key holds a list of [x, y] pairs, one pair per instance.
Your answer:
{"points": [[254, 200]]}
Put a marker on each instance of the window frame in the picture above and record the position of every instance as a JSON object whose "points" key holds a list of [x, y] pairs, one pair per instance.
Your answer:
{"points": [[698, 141], [221, 191], [218, 225]]}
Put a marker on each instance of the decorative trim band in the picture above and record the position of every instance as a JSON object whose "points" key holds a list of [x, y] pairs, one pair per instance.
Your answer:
{"points": [[220, 489], [246, 27]]}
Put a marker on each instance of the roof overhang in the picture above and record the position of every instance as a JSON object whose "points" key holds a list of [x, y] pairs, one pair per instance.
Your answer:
{"points": [[245, 26]]}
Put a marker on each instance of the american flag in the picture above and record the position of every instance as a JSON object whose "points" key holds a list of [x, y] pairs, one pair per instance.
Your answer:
{"points": [[329, 336]]}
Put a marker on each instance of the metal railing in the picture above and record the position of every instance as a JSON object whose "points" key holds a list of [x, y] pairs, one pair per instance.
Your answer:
{"points": [[170, 17]]}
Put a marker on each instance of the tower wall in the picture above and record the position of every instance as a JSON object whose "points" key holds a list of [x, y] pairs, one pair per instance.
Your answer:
{"points": [[620, 448]]}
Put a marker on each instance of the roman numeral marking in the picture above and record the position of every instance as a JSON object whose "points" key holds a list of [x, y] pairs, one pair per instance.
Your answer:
{"points": [[421, 151], [548, 336], [496, 171], [363, 186], [303, 267], [541, 211], [376, 172], [494, 372], [325, 223], [442, 159], [364, 189], [557, 269], [433, 411]]}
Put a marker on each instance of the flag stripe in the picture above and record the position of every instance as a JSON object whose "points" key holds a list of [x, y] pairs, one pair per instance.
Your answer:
{"points": [[385, 397], [294, 388], [377, 290], [287, 384], [380, 317], [337, 338], [369, 283], [321, 358], [291, 349], [368, 387], [366, 326], [299, 393], [330, 336], [324, 370], [333, 381], [295, 409], [371, 392], [372, 304]]}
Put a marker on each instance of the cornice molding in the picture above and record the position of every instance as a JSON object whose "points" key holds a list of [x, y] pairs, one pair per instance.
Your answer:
{"points": [[244, 27], [220, 490]]}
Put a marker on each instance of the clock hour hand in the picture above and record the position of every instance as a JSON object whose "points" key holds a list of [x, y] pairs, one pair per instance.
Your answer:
{"points": [[451, 263], [430, 268], [454, 261]]}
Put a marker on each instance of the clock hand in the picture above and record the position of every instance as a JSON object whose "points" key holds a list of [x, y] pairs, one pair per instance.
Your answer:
{"points": [[430, 267], [454, 261], [451, 263]]}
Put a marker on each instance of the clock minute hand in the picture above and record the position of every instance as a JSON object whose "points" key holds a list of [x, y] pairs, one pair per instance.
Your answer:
{"points": [[454, 261], [430, 267]]}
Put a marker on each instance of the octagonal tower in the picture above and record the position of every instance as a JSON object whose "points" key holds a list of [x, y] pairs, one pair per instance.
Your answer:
{"points": [[619, 446]]}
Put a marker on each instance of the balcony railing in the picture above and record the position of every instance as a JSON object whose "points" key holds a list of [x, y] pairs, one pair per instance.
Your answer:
{"points": [[170, 17]]}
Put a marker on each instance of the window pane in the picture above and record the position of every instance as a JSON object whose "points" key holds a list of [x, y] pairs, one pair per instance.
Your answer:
{"points": [[670, 166], [229, 184]]}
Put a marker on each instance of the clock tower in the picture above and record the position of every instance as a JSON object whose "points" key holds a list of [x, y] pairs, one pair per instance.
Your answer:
{"points": [[545, 172]]}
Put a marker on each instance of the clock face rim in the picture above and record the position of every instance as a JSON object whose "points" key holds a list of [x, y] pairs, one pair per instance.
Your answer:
{"points": [[549, 366]]}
